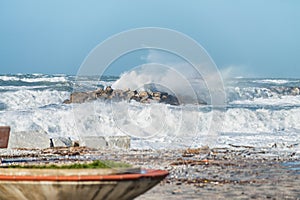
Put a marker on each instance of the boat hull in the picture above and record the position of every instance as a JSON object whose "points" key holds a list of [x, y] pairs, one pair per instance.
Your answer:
{"points": [[38, 187]]}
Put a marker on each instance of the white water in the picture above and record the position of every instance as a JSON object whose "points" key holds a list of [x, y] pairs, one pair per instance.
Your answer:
{"points": [[183, 84], [33, 79], [24, 99], [274, 81], [166, 124], [274, 101], [257, 116]]}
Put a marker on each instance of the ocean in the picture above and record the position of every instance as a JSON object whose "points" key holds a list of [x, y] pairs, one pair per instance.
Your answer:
{"points": [[259, 112]]}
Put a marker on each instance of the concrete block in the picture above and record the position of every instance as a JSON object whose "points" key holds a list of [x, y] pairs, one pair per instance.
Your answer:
{"points": [[30, 140], [98, 142], [62, 142], [41, 140], [122, 142]]}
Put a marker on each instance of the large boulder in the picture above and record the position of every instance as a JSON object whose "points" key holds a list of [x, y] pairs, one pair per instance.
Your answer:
{"points": [[80, 97]]}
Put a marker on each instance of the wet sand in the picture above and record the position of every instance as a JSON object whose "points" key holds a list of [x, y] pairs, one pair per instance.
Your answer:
{"points": [[224, 173], [236, 174]]}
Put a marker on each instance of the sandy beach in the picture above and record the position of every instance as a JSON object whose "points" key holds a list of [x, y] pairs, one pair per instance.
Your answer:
{"points": [[203, 173]]}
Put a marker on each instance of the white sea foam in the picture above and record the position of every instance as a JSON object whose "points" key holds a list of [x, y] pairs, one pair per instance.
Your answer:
{"points": [[155, 125], [187, 86], [34, 79], [26, 99], [44, 79], [274, 101], [9, 78], [274, 81], [12, 88], [236, 95], [159, 125]]}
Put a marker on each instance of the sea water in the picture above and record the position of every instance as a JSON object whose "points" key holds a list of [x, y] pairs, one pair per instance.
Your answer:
{"points": [[258, 112]]}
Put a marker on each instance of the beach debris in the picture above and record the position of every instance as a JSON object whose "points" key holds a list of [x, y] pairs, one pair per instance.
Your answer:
{"points": [[191, 162], [242, 146], [194, 151], [66, 151], [123, 95]]}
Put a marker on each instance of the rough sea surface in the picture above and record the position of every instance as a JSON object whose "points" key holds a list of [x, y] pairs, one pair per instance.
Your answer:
{"points": [[259, 112]]}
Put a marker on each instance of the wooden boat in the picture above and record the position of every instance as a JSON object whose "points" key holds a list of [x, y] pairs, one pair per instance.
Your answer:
{"points": [[64, 184]]}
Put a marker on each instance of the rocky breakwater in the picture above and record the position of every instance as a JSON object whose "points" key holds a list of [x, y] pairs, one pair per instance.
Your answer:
{"points": [[109, 94]]}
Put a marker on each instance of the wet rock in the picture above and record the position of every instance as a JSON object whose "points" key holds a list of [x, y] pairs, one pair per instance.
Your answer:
{"points": [[169, 99], [145, 100], [295, 91], [156, 99], [67, 101], [143, 94], [136, 98], [108, 90], [104, 96], [156, 94], [99, 92], [78, 97], [92, 95], [129, 94], [119, 95]]}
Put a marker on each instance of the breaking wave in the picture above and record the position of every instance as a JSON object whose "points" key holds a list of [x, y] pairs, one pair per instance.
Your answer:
{"points": [[258, 111]]}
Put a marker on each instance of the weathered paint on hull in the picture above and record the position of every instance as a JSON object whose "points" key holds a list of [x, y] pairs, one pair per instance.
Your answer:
{"points": [[123, 187]]}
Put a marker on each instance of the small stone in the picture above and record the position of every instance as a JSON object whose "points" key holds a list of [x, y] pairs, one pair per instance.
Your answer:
{"points": [[75, 144], [143, 94], [178, 191], [178, 183], [67, 101], [156, 94]]}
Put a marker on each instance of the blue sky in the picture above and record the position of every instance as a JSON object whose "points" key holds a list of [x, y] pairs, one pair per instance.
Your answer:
{"points": [[254, 38]]}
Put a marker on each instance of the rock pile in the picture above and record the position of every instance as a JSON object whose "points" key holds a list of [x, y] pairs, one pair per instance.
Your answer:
{"points": [[292, 91], [120, 95]]}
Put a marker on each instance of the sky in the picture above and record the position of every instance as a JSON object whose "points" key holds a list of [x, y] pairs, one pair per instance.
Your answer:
{"points": [[253, 38]]}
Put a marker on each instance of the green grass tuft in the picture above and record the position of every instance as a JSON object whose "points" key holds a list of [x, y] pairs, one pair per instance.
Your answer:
{"points": [[97, 164]]}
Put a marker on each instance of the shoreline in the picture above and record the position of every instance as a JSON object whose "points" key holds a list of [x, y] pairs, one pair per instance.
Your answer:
{"points": [[203, 173]]}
